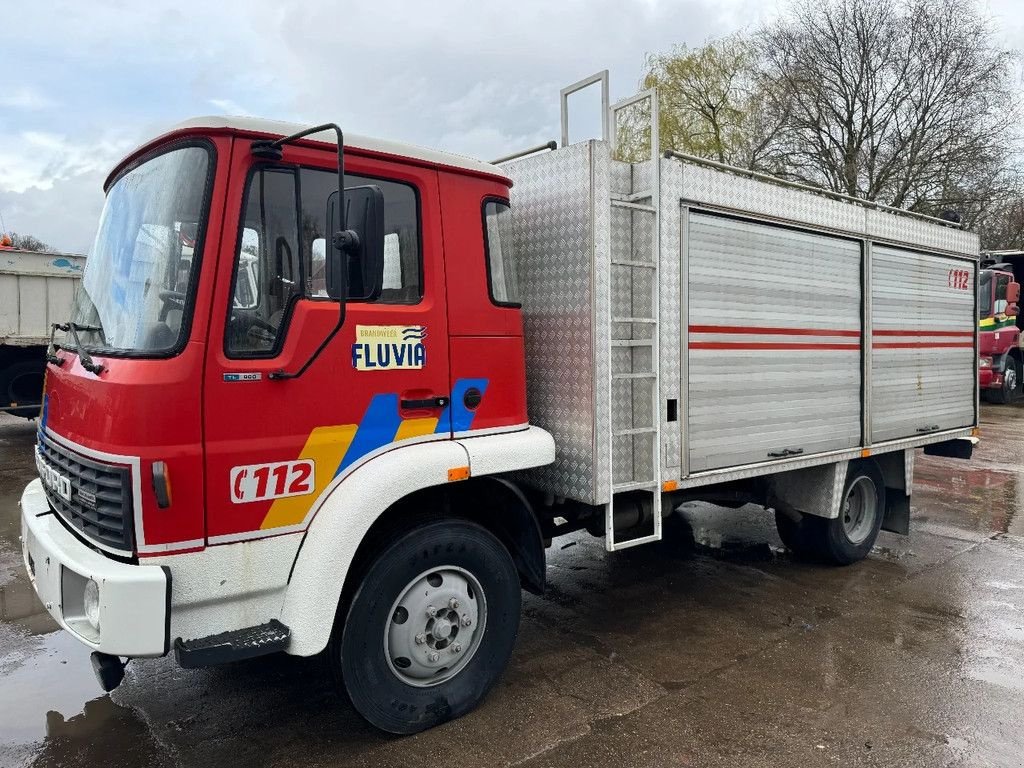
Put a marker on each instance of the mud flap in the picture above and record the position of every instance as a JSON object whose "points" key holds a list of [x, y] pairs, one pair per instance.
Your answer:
{"points": [[959, 448], [897, 511]]}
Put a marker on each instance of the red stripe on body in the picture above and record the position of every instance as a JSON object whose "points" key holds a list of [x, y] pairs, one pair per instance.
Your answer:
{"points": [[772, 331], [755, 345]]}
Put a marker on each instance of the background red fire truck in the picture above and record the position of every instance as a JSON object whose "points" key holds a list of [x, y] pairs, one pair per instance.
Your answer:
{"points": [[319, 396], [1000, 371]]}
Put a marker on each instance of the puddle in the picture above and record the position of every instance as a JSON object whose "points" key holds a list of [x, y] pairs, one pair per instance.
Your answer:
{"points": [[50, 678]]}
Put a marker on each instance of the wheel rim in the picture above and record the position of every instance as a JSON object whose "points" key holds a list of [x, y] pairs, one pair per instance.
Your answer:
{"points": [[435, 626], [860, 509], [1010, 379]]}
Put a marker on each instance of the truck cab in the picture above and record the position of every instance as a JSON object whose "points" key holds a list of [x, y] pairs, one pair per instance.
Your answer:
{"points": [[1000, 368], [212, 404]]}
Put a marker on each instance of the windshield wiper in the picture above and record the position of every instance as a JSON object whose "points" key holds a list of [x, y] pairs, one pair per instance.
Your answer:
{"points": [[83, 356]]}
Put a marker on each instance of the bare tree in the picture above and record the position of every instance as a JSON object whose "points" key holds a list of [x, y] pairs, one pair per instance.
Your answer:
{"points": [[29, 243], [908, 103]]}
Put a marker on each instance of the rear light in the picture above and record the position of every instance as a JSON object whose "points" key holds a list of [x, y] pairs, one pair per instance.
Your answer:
{"points": [[985, 362]]}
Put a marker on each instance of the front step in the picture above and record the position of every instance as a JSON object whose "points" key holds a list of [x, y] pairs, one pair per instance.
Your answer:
{"points": [[235, 645]]}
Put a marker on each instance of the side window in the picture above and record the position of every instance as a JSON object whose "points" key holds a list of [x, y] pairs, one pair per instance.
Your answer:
{"points": [[267, 270], [1002, 284], [501, 263], [402, 283]]}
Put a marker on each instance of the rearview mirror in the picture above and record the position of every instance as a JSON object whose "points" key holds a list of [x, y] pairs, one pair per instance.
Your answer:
{"points": [[1013, 292], [363, 263]]}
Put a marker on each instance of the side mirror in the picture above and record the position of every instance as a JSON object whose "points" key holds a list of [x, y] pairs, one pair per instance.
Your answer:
{"points": [[362, 261], [1013, 292]]}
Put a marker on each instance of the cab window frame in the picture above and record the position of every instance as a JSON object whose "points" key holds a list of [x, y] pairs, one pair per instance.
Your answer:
{"points": [[487, 252], [303, 293]]}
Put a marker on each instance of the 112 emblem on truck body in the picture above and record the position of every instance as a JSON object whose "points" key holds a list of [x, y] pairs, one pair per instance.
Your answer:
{"points": [[261, 482]]}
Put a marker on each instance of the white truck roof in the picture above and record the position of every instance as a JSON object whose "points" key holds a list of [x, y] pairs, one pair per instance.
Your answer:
{"points": [[278, 128]]}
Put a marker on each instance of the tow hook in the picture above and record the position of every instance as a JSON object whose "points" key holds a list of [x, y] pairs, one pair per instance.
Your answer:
{"points": [[109, 670]]}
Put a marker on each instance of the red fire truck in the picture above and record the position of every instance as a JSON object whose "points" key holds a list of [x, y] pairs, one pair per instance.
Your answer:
{"points": [[1000, 369], [328, 396]]}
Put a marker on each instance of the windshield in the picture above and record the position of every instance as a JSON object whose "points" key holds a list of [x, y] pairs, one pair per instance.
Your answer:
{"points": [[984, 294], [137, 276]]}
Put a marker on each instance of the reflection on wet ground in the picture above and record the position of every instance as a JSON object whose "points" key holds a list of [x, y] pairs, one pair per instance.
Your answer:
{"points": [[715, 648]]}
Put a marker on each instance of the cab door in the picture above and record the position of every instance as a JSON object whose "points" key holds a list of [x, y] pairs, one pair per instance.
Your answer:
{"points": [[275, 444]]}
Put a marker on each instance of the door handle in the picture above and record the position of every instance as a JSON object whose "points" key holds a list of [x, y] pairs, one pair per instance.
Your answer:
{"points": [[785, 452], [427, 402]]}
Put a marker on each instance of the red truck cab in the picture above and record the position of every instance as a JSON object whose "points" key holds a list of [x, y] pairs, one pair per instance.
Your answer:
{"points": [[222, 442], [999, 366]]}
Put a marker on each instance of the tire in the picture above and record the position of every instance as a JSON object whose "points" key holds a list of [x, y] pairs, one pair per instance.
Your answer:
{"points": [[795, 535], [430, 628], [850, 537], [22, 382], [1007, 393]]}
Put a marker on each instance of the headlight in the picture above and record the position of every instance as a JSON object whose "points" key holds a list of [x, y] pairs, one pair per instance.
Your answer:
{"points": [[985, 362], [91, 604]]}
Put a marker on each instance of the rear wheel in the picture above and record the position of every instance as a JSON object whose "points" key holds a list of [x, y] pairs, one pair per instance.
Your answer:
{"points": [[430, 628], [22, 382], [850, 537], [795, 534]]}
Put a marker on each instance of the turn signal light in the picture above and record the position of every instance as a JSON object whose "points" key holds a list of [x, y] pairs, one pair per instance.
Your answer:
{"points": [[161, 484]]}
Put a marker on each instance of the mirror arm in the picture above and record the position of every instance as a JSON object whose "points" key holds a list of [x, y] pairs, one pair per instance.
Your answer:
{"points": [[345, 239]]}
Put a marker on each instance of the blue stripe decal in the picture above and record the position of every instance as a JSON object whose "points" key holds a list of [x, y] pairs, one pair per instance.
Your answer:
{"points": [[377, 428], [461, 416]]}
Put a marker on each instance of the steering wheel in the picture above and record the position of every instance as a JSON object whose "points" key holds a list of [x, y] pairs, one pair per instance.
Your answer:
{"points": [[171, 300]]}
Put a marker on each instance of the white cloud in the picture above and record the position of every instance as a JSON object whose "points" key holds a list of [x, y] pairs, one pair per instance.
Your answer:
{"points": [[40, 159], [86, 81], [228, 107], [25, 98]]}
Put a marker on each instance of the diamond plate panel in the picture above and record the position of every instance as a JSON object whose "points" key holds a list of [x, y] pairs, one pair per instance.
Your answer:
{"points": [[555, 234], [905, 229], [813, 491], [727, 190], [602, 257], [710, 186], [670, 339]]}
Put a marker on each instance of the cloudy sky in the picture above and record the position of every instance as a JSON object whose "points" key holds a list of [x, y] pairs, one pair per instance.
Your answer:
{"points": [[83, 82]]}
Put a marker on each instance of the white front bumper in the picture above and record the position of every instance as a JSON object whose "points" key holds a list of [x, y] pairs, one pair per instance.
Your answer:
{"points": [[134, 599]]}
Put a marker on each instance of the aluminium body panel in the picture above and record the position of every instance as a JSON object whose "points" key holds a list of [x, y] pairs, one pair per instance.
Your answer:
{"points": [[785, 260], [562, 208], [774, 319], [923, 354], [36, 290]]}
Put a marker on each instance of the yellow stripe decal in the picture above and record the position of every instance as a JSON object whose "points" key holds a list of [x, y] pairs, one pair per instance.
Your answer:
{"points": [[325, 446], [416, 428]]}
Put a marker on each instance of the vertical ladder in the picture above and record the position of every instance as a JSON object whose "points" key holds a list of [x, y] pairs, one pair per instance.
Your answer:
{"points": [[643, 335]]}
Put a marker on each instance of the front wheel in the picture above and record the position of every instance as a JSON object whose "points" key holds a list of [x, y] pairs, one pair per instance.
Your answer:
{"points": [[430, 628], [1011, 383]]}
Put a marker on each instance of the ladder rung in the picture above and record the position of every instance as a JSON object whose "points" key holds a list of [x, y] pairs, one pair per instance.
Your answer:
{"points": [[633, 206], [632, 342], [646, 320], [635, 542], [628, 263], [637, 431], [642, 485], [623, 376]]}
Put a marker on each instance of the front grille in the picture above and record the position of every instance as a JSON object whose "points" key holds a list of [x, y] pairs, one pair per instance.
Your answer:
{"points": [[100, 503]]}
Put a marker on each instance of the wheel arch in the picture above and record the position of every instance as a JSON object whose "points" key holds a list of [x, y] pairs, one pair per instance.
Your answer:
{"points": [[398, 489]]}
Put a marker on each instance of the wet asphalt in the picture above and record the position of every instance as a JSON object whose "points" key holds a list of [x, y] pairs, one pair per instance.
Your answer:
{"points": [[716, 649]]}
